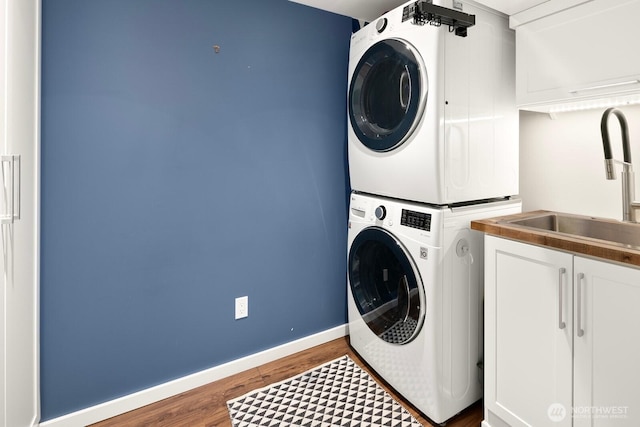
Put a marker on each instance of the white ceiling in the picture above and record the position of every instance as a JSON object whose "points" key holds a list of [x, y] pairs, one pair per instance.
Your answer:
{"points": [[511, 7], [369, 10], [366, 10]]}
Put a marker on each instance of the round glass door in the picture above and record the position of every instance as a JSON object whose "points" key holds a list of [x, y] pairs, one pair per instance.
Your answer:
{"points": [[385, 101], [385, 287]]}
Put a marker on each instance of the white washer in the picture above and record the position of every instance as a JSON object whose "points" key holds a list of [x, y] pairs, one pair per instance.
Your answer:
{"points": [[415, 298], [432, 115]]}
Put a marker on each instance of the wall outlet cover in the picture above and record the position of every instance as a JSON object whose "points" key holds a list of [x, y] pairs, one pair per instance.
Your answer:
{"points": [[242, 307]]}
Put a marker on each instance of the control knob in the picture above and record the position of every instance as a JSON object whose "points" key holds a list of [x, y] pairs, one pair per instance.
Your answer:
{"points": [[381, 212]]}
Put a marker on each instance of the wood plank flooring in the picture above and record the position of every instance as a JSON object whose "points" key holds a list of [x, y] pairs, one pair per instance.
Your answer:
{"points": [[206, 406]]}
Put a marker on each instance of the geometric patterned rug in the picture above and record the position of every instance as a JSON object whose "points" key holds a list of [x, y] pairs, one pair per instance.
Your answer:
{"points": [[338, 393]]}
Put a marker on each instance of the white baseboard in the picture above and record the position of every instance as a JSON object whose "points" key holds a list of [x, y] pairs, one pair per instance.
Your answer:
{"points": [[139, 399]]}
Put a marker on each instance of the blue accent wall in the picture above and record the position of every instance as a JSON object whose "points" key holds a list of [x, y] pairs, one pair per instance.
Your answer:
{"points": [[175, 179]]}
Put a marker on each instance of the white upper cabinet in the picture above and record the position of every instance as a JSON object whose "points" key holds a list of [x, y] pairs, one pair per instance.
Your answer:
{"points": [[583, 53]]}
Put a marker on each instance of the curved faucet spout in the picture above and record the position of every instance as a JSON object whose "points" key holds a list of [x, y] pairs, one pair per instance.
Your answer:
{"points": [[629, 206], [624, 128]]}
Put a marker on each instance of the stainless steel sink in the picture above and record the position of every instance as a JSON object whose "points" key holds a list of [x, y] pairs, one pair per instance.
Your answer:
{"points": [[622, 233]]}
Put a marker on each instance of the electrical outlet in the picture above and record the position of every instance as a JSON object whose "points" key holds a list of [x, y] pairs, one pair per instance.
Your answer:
{"points": [[242, 307]]}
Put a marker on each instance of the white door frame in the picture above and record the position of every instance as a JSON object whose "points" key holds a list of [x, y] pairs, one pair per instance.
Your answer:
{"points": [[20, 24]]}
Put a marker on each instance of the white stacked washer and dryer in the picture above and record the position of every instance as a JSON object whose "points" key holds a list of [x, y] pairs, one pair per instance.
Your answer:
{"points": [[432, 145]]}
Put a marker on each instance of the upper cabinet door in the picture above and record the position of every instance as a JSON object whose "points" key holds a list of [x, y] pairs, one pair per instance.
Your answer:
{"points": [[582, 53]]}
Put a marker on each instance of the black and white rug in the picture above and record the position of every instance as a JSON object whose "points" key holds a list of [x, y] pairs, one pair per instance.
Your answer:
{"points": [[338, 393]]}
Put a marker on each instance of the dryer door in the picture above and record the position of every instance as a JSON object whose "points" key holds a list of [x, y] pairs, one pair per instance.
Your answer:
{"points": [[386, 286], [387, 94]]}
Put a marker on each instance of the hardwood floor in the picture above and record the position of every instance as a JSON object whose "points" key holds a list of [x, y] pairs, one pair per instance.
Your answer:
{"points": [[206, 406]]}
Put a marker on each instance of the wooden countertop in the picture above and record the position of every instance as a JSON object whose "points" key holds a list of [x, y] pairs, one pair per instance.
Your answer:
{"points": [[611, 251]]}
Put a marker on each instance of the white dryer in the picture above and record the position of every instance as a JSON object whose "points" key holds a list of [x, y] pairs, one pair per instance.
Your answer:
{"points": [[415, 298], [432, 115]]}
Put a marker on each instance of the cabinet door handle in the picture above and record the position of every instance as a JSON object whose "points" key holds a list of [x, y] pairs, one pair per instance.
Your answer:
{"points": [[561, 273], [579, 302]]}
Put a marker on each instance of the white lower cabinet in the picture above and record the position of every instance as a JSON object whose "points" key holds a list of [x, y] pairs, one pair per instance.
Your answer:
{"points": [[562, 339]]}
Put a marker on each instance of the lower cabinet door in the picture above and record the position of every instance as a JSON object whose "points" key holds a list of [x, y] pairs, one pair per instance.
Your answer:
{"points": [[606, 344], [528, 335]]}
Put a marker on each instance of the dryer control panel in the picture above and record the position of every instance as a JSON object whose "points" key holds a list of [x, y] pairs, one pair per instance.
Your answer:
{"points": [[415, 219]]}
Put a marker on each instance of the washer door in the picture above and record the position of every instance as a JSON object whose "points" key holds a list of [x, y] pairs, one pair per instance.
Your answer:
{"points": [[386, 286], [387, 94]]}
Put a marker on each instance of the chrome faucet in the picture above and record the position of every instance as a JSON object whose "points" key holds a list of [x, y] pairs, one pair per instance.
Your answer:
{"points": [[629, 206]]}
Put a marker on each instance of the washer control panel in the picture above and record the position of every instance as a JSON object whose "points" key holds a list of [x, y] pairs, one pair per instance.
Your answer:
{"points": [[415, 219]]}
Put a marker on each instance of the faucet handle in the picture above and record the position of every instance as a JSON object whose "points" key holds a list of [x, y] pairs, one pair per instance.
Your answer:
{"points": [[610, 168]]}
